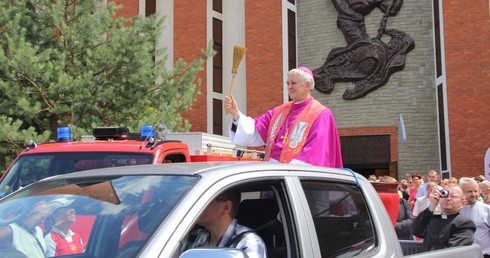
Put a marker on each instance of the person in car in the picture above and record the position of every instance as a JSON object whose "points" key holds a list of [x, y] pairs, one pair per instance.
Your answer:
{"points": [[61, 240], [25, 235], [220, 228]]}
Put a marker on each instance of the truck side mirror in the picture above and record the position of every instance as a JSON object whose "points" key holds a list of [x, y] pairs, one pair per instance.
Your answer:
{"points": [[213, 253]]}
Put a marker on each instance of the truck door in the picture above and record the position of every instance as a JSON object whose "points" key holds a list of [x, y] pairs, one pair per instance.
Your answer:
{"points": [[341, 218], [266, 209]]}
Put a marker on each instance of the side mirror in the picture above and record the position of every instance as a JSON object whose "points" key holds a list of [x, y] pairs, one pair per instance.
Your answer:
{"points": [[213, 253]]}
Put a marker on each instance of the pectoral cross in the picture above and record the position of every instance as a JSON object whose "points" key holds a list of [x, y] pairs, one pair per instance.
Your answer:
{"points": [[284, 137]]}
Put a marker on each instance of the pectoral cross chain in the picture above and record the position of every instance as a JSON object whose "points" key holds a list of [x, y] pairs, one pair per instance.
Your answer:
{"points": [[284, 137]]}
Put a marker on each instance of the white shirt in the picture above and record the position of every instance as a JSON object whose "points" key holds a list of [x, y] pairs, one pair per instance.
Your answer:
{"points": [[480, 214], [421, 204], [31, 244], [246, 134], [422, 191]]}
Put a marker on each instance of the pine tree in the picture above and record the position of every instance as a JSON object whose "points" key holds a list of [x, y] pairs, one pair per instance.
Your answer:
{"points": [[74, 63]]}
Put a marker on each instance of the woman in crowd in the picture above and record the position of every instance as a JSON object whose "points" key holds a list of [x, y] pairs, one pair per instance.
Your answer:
{"points": [[414, 184]]}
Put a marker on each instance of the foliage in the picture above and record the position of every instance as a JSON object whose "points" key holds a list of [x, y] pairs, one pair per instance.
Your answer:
{"points": [[74, 63]]}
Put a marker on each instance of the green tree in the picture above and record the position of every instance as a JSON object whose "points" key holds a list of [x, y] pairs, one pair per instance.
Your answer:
{"points": [[74, 63]]}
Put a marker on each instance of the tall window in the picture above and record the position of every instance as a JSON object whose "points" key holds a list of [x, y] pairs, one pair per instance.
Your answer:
{"points": [[218, 58], [291, 40], [151, 7], [218, 69], [440, 74], [218, 6], [437, 39], [217, 116], [442, 127]]}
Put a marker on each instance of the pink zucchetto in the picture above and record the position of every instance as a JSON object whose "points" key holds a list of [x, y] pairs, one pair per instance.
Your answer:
{"points": [[306, 70]]}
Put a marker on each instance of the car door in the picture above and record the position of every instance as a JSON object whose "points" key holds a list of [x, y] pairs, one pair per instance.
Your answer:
{"points": [[267, 207]]}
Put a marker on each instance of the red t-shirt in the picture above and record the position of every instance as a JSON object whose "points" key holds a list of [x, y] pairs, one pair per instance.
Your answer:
{"points": [[63, 247]]}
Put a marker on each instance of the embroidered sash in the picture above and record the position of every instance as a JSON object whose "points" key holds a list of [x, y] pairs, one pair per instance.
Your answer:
{"points": [[301, 126], [275, 124]]}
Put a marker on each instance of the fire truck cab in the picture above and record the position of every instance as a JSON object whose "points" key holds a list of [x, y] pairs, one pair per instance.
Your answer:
{"points": [[114, 147]]}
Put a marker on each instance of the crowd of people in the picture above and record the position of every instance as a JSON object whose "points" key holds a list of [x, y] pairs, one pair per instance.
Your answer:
{"points": [[443, 212], [413, 186]]}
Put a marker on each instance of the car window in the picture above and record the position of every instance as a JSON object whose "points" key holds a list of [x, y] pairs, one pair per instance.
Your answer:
{"points": [[34, 167], [265, 210], [341, 218], [108, 216]]}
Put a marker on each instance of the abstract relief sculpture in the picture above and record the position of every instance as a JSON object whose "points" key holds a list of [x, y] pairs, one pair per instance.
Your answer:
{"points": [[368, 63]]}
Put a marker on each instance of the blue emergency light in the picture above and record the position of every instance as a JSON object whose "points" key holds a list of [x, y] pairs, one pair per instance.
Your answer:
{"points": [[147, 131], [64, 134]]}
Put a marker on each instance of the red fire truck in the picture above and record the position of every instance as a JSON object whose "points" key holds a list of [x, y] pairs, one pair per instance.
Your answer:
{"points": [[112, 147]]}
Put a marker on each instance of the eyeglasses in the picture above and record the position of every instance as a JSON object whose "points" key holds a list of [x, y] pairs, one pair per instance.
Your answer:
{"points": [[453, 197]]}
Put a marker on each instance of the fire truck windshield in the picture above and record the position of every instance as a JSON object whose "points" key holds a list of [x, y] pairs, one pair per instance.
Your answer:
{"points": [[33, 167]]}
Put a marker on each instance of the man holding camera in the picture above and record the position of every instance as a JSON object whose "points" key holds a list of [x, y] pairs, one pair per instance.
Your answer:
{"points": [[449, 228]]}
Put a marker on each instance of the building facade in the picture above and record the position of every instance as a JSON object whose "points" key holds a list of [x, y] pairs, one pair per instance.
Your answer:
{"points": [[440, 93]]}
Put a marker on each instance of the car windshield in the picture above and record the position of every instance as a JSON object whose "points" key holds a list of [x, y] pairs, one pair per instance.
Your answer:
{"points": [[30, 168], [103, 216]]}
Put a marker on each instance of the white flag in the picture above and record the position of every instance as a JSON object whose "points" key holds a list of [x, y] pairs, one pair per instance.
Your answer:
{"points": [[487, 164], [401, 128]]}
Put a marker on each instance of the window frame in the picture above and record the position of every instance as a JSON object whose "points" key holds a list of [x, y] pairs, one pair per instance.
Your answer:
{"points": [[309, 215]]}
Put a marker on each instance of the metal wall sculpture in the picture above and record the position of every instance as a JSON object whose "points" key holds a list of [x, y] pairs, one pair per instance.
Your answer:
{"points": [[368, 63]]}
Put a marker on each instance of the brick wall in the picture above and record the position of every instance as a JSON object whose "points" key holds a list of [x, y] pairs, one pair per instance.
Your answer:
{"points": [[189, 39], [130, 8], [263, 39], [467, 42]]}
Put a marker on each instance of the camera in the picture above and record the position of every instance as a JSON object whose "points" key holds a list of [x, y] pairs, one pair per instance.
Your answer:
{"points": [[444, 193]]}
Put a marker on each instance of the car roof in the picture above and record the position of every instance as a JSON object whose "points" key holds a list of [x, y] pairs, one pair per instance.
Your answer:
{"points": [[203, 169]]}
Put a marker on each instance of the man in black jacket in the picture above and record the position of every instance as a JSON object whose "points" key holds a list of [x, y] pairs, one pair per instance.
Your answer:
{"points": [[448, 229], [404, 221]]}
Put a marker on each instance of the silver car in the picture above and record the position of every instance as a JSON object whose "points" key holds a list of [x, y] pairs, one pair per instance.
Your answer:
{"points": [[151, 210]]}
